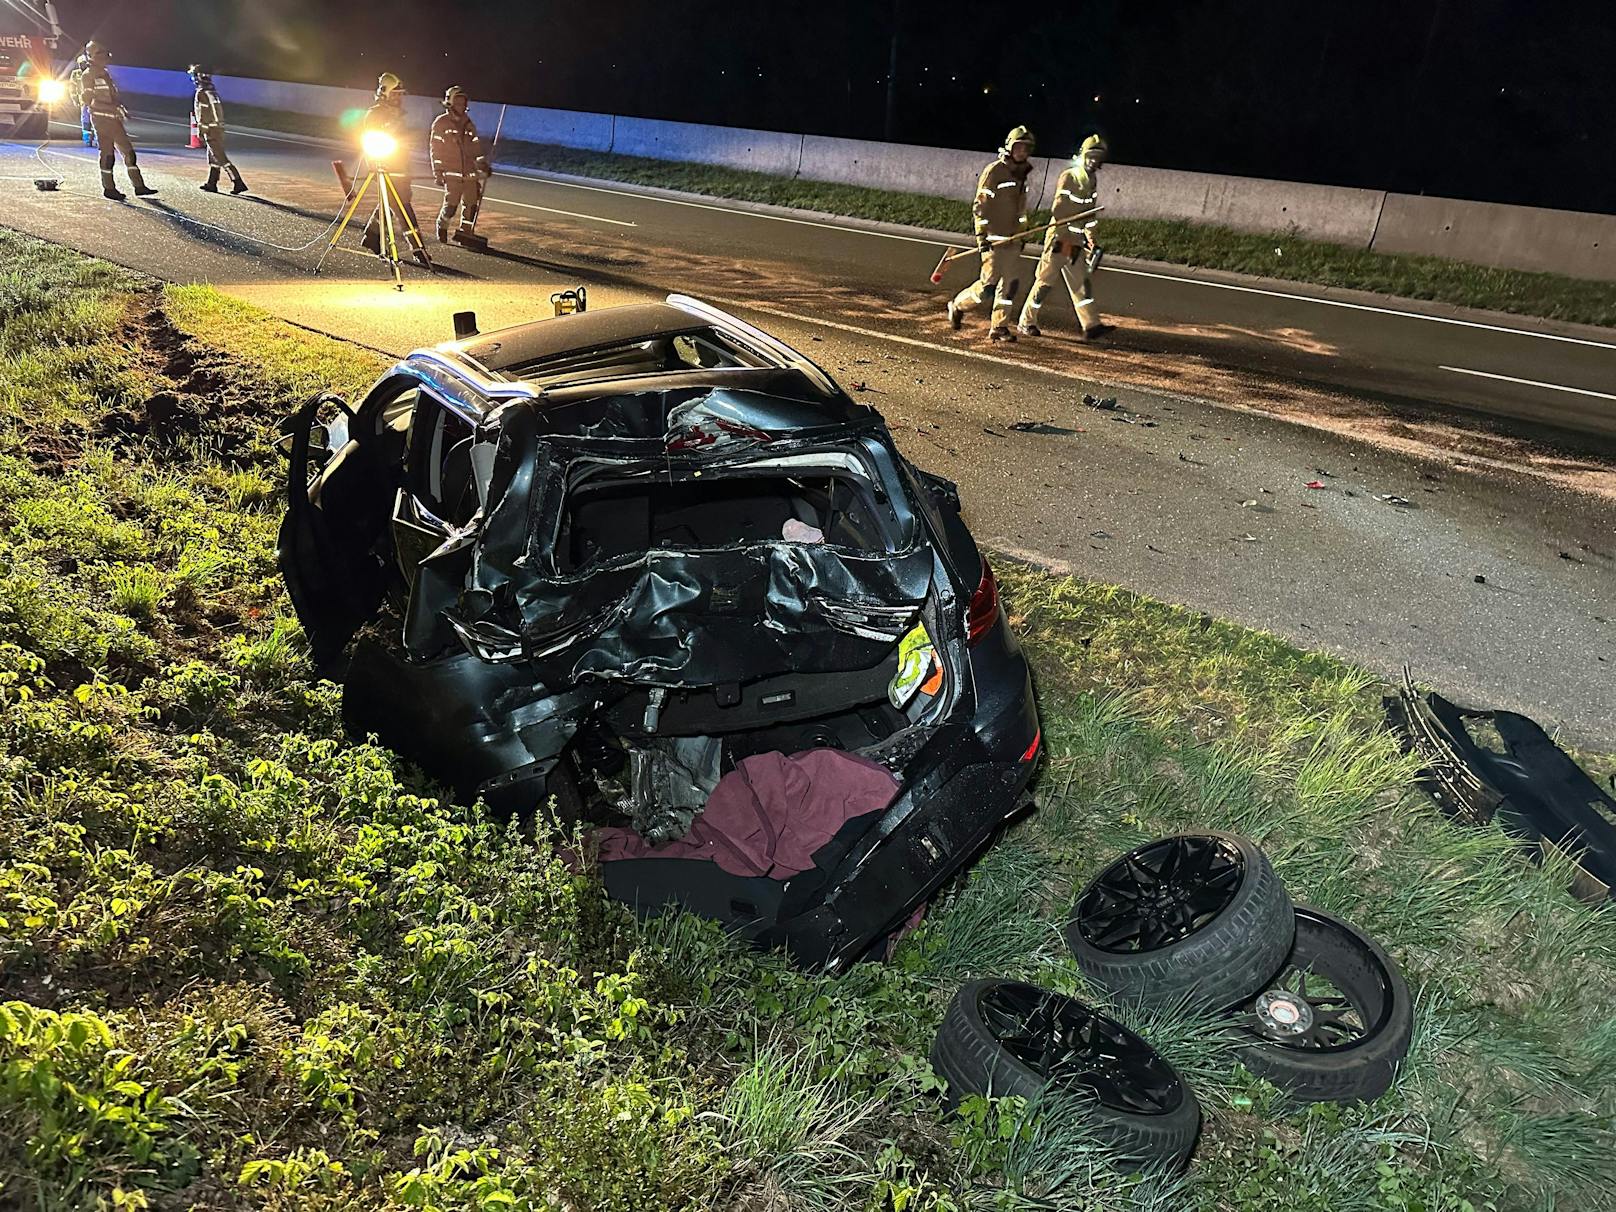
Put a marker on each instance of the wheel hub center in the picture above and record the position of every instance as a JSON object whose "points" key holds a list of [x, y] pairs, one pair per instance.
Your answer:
{"points": [[1284, 1014]]}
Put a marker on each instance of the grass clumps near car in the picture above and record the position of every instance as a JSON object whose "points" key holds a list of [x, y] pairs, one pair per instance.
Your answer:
{"points": [[1283, 255], [248, 960]]}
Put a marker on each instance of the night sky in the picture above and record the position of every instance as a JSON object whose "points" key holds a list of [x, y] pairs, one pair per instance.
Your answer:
{"points": [[1501, 100]]}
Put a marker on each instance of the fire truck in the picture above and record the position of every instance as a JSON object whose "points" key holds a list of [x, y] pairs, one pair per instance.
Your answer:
{"points": [[25, 59]]}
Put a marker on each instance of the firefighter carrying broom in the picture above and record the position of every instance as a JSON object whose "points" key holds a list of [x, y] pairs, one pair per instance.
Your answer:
{"points": [[1000, 210]]}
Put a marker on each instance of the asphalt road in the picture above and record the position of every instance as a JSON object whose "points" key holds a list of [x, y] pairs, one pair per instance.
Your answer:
{"points": [[1477, 550]]}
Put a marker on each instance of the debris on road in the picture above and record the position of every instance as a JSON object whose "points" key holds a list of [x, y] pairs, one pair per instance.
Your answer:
{"points": [[1184, 458], [1315, 484], [1107, 404], [1497, 766], [1391, 498], [1566, 555], [1480, 580]]}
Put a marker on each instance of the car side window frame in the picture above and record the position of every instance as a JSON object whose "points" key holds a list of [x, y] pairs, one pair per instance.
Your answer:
{"points": [[437, 428]]}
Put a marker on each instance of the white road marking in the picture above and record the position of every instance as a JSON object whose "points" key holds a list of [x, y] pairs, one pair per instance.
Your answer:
{"points": [[876, 335], [233, 132], [571, 214], [756, 214], [1385, 311], [1484, 374]]}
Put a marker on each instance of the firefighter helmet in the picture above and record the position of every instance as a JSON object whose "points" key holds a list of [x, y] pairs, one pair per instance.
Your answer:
{"points": [[387, 84], [95, 52], [199, 74], [1094, 146], [453, 92], [1019, 135]]}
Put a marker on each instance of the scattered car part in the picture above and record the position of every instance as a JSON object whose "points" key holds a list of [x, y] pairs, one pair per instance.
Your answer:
{"points": [[1198, 918], [1334, 1023], [1497, 766], [1006, 1038], [606, 557]]}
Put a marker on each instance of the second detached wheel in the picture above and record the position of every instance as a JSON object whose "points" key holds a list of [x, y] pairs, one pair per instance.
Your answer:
{"points": [[1005, 1038], [1198, 918], [1335, 1022]]}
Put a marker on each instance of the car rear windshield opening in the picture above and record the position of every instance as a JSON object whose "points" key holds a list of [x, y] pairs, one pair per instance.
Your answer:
{"points": [[607, 520]]}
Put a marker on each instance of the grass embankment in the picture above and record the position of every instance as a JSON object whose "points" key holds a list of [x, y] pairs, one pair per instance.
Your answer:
{"points": [[1287, 257], [244, 959]]}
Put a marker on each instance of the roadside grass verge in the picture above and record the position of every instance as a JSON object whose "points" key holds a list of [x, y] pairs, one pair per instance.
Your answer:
{"points": [[1275, 255], [247, 960]]}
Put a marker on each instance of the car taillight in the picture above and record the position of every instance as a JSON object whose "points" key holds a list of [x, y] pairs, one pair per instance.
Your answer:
{"points": [[983, 612], [1032, 749]]}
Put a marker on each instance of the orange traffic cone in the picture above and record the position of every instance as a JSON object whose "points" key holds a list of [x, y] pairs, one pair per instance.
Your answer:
{"points": [[196, 135]]}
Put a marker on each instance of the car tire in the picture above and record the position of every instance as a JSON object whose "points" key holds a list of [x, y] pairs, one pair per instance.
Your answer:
{"points": [[1350, 1056], [1215, 926], [998, 1039]]}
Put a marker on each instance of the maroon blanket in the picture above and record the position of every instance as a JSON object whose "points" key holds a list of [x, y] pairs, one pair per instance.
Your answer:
{"points": [[770, 814]]}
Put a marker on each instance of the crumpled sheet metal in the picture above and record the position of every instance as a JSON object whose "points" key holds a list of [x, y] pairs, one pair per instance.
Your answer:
{"points": [[667, 617]]}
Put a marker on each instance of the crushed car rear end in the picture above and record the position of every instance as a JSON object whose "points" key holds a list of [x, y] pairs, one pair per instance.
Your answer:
{"points": [[715, 614]]}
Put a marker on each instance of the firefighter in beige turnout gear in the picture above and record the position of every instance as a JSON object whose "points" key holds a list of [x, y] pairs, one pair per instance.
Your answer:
{"points": [[459, 165], [1069, 247], [108, 116], [208, 113], [1000, 210]]}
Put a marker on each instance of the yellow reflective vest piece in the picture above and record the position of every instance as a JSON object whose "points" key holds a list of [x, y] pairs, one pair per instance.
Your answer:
{"points": [[1001, 198]]}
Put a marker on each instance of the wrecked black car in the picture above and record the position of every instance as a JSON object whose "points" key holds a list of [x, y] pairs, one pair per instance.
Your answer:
{"points": [[651, 566]]}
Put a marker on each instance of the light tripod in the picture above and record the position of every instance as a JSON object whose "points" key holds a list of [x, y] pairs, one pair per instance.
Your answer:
{"points": [[387, 200]]}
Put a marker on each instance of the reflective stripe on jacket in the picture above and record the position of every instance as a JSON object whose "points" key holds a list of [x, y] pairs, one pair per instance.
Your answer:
{"points": [[102, 94], [1077, 190], [1001, 198], [208, 109], [457, 148]]}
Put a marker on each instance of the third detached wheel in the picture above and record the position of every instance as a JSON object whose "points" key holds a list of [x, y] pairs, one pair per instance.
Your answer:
{"points": [[1197, 918], [1003, 1038], [1334, 1023]]}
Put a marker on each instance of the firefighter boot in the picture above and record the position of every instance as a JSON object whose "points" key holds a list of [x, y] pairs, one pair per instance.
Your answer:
{"points": [[443, 230], [109, 188], [211, 185], [240, 186], [142, 190]]}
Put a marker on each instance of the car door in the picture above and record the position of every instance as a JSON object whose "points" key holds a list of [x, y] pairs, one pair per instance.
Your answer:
{"points": [[345, 469]]}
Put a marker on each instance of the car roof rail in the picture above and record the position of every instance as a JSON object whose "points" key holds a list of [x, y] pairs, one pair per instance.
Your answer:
{"points": [[749, 334], [466, 368]]}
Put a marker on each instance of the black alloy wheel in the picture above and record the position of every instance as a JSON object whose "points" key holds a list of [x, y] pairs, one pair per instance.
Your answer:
{"points": [[1004, 1038], [1197, 918], [1335, 1021]]}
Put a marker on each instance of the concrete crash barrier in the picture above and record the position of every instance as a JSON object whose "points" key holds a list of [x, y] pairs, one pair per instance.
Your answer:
{"points": [[1317, 212], [937, 172], [558, 127], [1575, 243], [757, 151]]}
